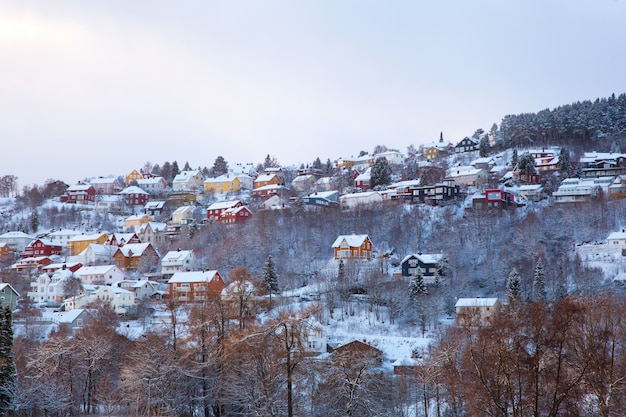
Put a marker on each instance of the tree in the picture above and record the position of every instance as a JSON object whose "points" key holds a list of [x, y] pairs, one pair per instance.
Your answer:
{"points": [[526, 164], [270, 162], [565, 164], [220, 166], [478, 133], [175, 169], [514, 158], [187, 167], [539, 282], [513, 287], [380, 175], [317, 164], [270, 278], [483, 147], [8, 373]]}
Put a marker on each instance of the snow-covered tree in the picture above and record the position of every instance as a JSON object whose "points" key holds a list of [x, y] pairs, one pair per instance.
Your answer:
{"points": [[417, 288], [539, 283], [8, 373], [380, 174], [513, 287], [270, 278], [565, 164], [526, 164], [220, 166], [483, 147]]}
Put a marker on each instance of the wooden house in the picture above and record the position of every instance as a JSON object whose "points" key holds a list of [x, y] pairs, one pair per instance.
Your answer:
{"points": [[192, 286], [79, 194], [215, 210], [41, 247], [8, 296], [133, 176], [267, 179], [134, 196], [476, 311], [467, 144], [353, 247], [79, 243], [133, 256]]}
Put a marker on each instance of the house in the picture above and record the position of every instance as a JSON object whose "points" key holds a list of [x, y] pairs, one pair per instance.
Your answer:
{"points": [[109, 203], [135, 221], [100, 274], [49, 290], [354, 200], [363, 181], [121, 239], [17, 241], [357, 351], [267, 179], [106, 185], [153, 233], [79, 243], [576, 190], [121, 300], [95, 254], [192, 181], [215, 210], [247, 169], [142, 289], [235, 215], [494, 199], [8, 296], [431, 265], [183, 215], [269, 190], [468, 175], [194, 286], [325, 184], [5, 251], [476, 311], [228, 183], [41, 247], [136, 255], [62, 237], [322, 199], [350, 162], [392, 157], [467, 145], [79, 194], [53, 267], [617, 239], [133, 176], [303, 183], [597, 164], [533, 192], [436, 150], [177, 261], [30, 266], [71, 321], [618, 188], [134, 196], [353, 247], [154, 208], [153, 185], [485, 163], [274, 203], [436, 194]]}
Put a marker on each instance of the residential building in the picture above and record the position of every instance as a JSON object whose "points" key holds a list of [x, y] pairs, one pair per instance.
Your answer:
{"points": [[354, 200], [476, 311], [133, 176], [100, 274], [267, 179], [353, 247], [467, 144], [41, 247], [136, 255], [8, 296], [322, 199], [195, 286], [153, 233], [177, 261], [153, 185], [16, 240], [215, 210], [134, 196], [106, 185], [192, 181], [79, 194], [79, 243], [183, 215]]}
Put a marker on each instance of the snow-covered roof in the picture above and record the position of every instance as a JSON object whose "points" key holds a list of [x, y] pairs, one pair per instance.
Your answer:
{"points": [[82, 238], [193, 276], [476, 302], [221, 205], [175, 256], [133, 249], [133, 189], [94, 270], [351, 240], [16, 234], [617, 235]]}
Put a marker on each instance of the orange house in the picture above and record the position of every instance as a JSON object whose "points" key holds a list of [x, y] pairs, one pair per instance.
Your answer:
{"points": [[353, 247], [79, 243], [267, 179], [191, 286], [134, 175], [135, 255]]}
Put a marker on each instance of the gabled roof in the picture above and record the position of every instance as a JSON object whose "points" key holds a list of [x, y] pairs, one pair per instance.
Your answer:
{"points": [[266, 177], [4, 285], [351, 240], [94, 270], [222, 205], [194, 276], [89, 237], [133, 189], [174, 256], [133, 249], [476, 302], [186, 176]]}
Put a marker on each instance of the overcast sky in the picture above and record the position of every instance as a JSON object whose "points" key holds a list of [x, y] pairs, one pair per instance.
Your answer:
{"points": [[90, 88]]}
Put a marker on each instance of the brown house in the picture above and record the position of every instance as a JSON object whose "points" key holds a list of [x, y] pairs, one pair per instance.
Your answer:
{"points": [[353, 247], [192, 286], [135, 255], [476, 311], [359, 351]]}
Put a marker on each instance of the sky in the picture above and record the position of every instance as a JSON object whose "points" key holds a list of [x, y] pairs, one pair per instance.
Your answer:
{"points": [[101, 87]]}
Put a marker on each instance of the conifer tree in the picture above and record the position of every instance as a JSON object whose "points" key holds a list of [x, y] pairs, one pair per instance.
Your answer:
{"points": [[270, 278], [539, 283], [417, 288], [175, 169], [565, 164], [380, 174], [513, 287], [8, 373], [514, 159]]}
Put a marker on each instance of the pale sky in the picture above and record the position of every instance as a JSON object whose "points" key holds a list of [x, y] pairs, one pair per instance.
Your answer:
{"points": [[90, 88]]}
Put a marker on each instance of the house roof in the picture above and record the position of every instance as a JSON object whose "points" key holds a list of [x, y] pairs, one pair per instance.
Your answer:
{"points": [[476, 302], [174, 256], [186, 176], [133, 249], [133, 189], [94, 270], [194, 276], [617, 235], [222, 205], [351, 240], [16, 234], [266, 177], [4, 285], [427, 258], [90, 237]]}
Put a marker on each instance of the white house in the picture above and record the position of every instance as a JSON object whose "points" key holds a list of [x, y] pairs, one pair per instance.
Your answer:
{"points": [[62, 237], [188, 181], [100, 275], [183, 215], [153, 185], [48, 289], [142, 289], [393, 157], [617, 239], [350, 201], [17, 241], [177, 261], [95, 254], [468, 175]]}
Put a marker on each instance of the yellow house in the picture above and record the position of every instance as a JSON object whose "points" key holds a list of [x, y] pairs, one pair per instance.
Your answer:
{"points": [[136, 220], [222, 184], [79, 243], [135, 175]]}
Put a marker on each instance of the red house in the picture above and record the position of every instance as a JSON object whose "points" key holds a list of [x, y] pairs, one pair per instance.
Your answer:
{"points": [[41, 247], [134, 196], [235, 215], [79, 193], [215, 210]]}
